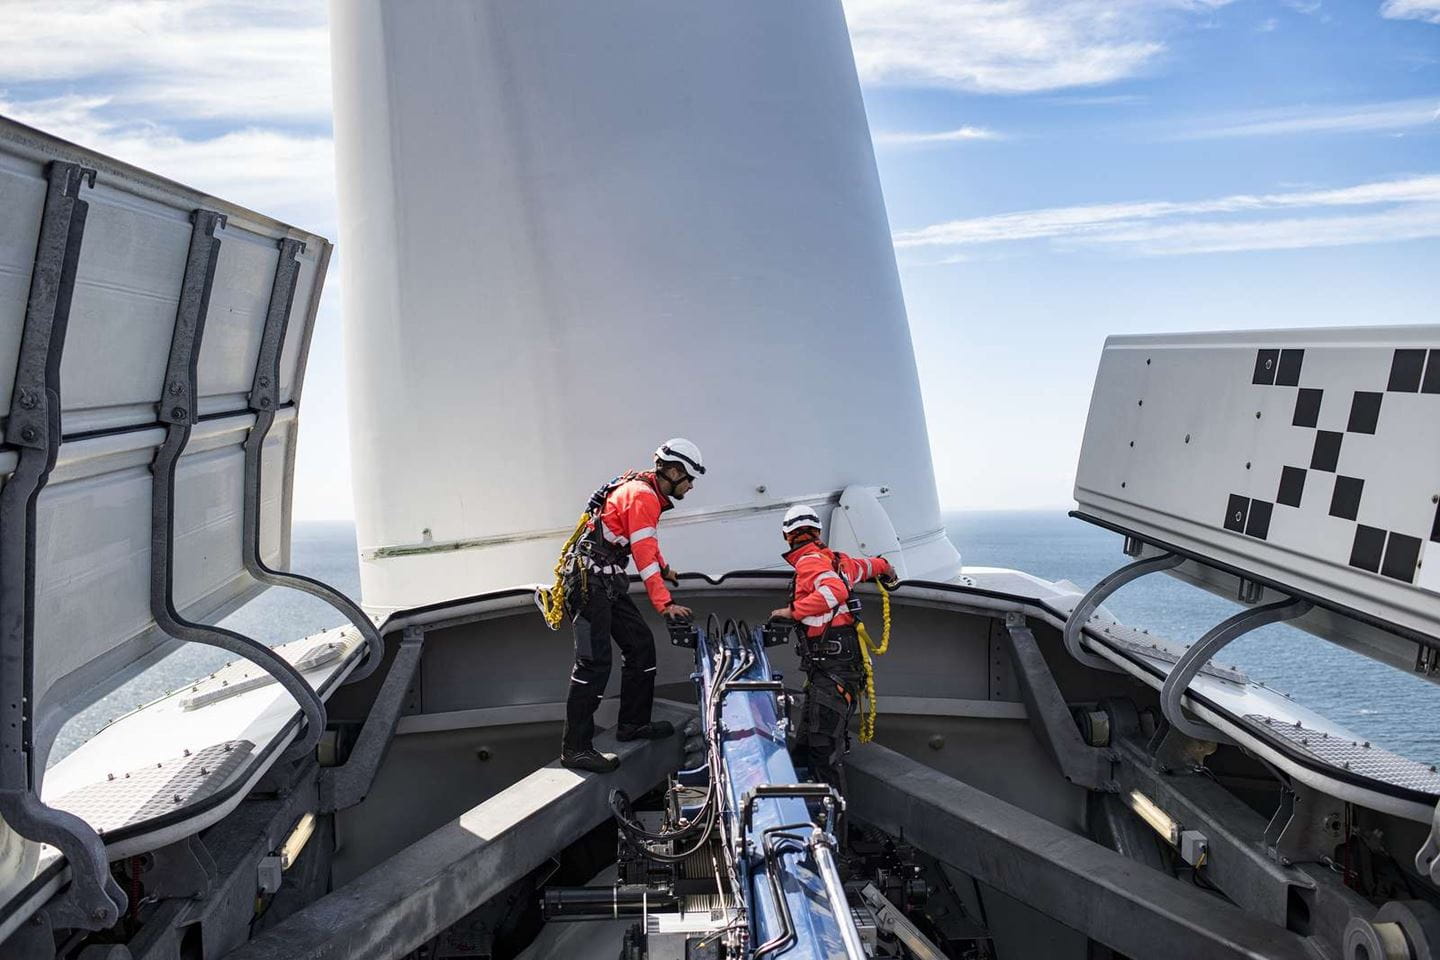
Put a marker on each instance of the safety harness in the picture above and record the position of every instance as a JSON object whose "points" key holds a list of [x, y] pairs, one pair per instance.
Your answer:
{"points": [[849, 645], [586, 551]]}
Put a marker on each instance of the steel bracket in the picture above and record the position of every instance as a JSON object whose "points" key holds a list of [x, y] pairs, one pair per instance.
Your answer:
{"points": [[32, 940], [1427, 859], [344, 786], [1081, 764], [264, 401], [93, 900], [184, 870], [1306, 827], [1098, 594], [1200, 653], [177, 408]]}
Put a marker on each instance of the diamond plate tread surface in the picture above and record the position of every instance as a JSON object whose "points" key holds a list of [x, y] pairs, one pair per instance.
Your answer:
{"points": [[242, 676], [1356, 756], [1134, 641], [123, 799]]}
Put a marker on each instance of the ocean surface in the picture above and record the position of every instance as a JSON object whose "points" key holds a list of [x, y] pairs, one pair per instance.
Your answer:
{"points": [[1392, 709]]}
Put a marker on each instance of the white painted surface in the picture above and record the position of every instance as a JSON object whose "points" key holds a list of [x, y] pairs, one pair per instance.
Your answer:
{"points": [[571, 230], [1137, 469], [860, 526]]}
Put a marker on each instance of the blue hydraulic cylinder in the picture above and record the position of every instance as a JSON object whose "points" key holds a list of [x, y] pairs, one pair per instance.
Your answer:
{"points": [[765, 810]]}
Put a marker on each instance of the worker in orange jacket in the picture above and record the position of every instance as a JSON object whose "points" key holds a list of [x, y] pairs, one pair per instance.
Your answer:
{"points": [[829, 645], [623, 517]]}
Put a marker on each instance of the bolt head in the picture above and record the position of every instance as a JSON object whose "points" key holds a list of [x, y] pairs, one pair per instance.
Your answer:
{"points": [[178, 413], [29, 434], [28, 400]]}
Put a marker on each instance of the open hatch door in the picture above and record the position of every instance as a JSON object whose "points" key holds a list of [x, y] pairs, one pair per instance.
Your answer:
{"points": [[152, 351]]}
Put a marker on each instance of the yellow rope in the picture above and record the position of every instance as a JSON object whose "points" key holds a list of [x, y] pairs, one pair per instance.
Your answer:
{"points": [[552, 601], [867, 717]]}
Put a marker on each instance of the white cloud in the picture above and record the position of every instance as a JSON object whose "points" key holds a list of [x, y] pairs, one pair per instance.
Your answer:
{"points": [[283, 175], [1427, 10], [191, 59], [1010, 46], [903, 139], [1408, 209], [1358, 118], [1294, 233]]}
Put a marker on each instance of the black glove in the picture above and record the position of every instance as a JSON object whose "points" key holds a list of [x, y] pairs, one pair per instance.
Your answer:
{"points": [[889, 581]]}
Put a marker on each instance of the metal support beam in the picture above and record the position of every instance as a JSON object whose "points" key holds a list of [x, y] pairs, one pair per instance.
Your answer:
{"points": [[1080, 763], [1236, 860], [93, 900], [1109, 898], [177, 408], [1201, 652], [264, 401], [344, 786], [1240, 860], [1085, 609], [431, 884]]}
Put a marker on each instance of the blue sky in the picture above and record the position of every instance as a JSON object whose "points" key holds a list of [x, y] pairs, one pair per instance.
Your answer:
{"points": [[1055, 170]]}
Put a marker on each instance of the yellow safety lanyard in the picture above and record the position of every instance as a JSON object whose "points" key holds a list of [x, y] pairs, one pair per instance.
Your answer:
{"points": [[867, 716]]}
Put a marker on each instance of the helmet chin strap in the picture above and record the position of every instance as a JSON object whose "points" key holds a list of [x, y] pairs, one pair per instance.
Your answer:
{"points": [[671, 487]]}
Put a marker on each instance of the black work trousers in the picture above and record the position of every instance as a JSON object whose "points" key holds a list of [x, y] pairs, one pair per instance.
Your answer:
{"points": [[605, 613], [832, 692]]}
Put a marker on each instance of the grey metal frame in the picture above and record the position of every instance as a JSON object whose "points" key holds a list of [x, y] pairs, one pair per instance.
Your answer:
{"points": [[1098, 594], [264, 399], [344, 786], [1427, 858], [406, 900], [1081, 764], [178, 409], [1103, 894], [1202, 650], [93, 899]]}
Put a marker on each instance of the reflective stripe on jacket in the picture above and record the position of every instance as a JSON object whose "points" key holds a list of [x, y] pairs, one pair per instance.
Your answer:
{"points": [[632, 511], [820, 590]]}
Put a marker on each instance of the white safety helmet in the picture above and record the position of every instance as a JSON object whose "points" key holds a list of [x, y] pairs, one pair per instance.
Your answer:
{"points": [[799, 517], [683, 453]]}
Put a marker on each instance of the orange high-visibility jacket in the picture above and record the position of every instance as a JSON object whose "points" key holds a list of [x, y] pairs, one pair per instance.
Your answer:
{"points": [[823, 578], [631, 514]]}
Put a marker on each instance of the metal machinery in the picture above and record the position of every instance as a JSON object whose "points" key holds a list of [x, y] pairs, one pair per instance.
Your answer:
{"points": [[743, 863], [1045, 782]]}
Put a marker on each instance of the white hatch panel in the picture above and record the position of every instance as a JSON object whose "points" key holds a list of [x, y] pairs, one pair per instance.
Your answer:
{"points": [[92, 620], [1308, 460]]}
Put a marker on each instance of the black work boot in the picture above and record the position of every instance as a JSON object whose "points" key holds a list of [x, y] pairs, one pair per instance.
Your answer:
{"points": [[654, 730], [589, 759]]}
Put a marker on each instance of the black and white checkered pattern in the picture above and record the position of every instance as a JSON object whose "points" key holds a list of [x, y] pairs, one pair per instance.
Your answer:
{"points": [[1390, 553]]}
